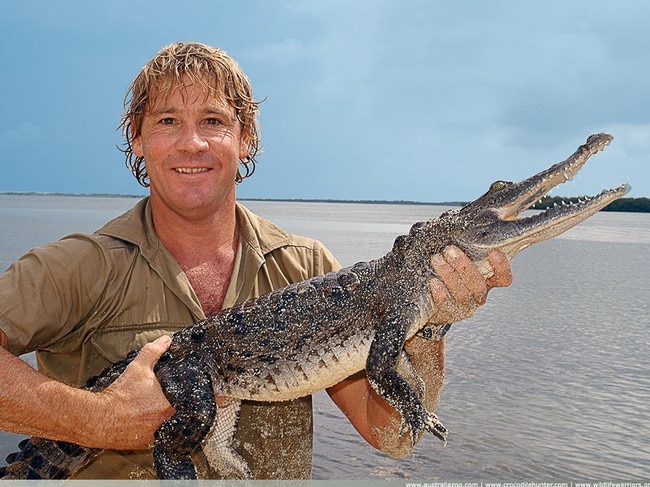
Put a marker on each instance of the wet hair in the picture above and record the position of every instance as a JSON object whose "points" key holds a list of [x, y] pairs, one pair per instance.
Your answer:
{"points": [[204, 65]]}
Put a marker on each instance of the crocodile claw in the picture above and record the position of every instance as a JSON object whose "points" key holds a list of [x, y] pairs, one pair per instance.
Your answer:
{"points": [[435, 427], [419, 421]]}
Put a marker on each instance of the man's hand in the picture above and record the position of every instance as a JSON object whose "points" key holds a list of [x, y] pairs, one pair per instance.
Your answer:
{"points": [[135, 404], [123, 416], [462, 288]]}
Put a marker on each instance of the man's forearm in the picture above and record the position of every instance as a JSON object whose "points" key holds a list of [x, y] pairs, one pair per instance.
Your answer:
{"points": [[33, 404], [428, 361]]}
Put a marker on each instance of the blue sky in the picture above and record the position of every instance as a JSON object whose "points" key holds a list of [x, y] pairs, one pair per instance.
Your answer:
{"points": [[420, 100]]}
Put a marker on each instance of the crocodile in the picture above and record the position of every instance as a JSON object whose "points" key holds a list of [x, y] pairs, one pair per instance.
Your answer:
{"points": [[310, 335]]}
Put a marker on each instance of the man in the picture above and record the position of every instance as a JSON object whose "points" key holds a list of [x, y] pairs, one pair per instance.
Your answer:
{"points": [[185, 252]]}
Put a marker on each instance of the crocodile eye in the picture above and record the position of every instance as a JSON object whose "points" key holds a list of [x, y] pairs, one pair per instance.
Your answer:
{"points": [[498, 186]]}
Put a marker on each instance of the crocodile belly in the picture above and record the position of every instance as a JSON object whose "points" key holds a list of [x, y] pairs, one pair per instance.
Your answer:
{"points": [[299, 374]]}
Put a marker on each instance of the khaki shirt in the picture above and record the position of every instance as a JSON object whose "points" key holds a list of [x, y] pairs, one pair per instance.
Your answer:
{"points": [[84, 302]]}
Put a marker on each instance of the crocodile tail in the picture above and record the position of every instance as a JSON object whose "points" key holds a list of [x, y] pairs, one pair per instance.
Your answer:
{"points": [[41, 459]]}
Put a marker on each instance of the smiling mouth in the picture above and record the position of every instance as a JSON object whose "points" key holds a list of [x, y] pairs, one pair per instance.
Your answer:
{"points": [[191, 170]]}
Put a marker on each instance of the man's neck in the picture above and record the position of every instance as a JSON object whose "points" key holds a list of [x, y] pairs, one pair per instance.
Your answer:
{"points": [[186, 235], [205, 249]]}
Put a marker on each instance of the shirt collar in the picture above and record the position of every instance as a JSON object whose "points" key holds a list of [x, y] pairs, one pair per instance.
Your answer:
{"points": [[257, 238], [136, 227]]}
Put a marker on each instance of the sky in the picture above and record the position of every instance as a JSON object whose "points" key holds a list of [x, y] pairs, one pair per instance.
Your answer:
{"points": [[414, 100]]}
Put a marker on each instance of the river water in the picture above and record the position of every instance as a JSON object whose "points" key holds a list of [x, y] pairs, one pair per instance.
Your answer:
{"points": [[550, 381]]}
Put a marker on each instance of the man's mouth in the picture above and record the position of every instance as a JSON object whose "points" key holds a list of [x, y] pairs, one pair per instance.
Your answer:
{"points": [[191, 170]]}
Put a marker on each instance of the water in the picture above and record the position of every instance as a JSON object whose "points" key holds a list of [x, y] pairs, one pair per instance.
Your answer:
{"points": [[549, 381]]}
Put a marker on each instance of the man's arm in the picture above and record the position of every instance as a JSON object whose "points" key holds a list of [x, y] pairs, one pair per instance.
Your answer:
{"points": [[459, 292], [124, 416]]}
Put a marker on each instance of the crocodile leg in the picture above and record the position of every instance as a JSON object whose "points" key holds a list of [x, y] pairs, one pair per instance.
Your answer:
{"points": [[385, 352], [188, 388]]}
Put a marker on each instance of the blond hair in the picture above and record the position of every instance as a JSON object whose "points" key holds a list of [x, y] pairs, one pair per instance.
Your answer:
{"points": [[207, 66]]}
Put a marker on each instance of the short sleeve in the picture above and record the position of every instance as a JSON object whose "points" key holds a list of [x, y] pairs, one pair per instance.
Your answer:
{"points": [[47, 293]]}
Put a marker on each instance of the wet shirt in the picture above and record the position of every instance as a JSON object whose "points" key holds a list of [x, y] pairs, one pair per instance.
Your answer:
{"points": [[84, 302]]}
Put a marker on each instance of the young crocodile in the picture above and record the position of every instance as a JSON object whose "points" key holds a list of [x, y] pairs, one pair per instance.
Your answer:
{"points": [[313, 334]]}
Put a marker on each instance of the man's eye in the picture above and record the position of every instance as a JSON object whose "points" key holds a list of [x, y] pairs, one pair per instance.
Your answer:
{"points": [[212, 121], [167, 121]]}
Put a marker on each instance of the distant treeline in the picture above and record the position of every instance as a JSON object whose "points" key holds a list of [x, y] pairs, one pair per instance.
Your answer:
{"points": [[636, 205]]}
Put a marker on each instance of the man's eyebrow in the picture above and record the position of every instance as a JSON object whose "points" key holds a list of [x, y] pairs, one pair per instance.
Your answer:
{"points": [[219, 110], [163, 109]]}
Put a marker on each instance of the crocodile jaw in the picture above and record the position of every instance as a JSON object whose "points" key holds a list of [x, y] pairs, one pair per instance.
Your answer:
{"points": [[496, 213]]}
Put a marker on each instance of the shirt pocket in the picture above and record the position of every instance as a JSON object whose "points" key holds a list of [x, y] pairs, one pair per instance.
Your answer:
{"points": [[114, 344]]}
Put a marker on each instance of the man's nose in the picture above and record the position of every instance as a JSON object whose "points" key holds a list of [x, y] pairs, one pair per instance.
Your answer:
{"points": [[191, 140]]}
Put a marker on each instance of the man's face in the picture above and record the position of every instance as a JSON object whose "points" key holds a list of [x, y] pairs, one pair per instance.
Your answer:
{"points": [[191, 142]]}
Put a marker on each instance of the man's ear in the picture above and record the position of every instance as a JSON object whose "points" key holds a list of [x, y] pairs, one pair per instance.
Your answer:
{"points": [[136, 146], [244, 145]]}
